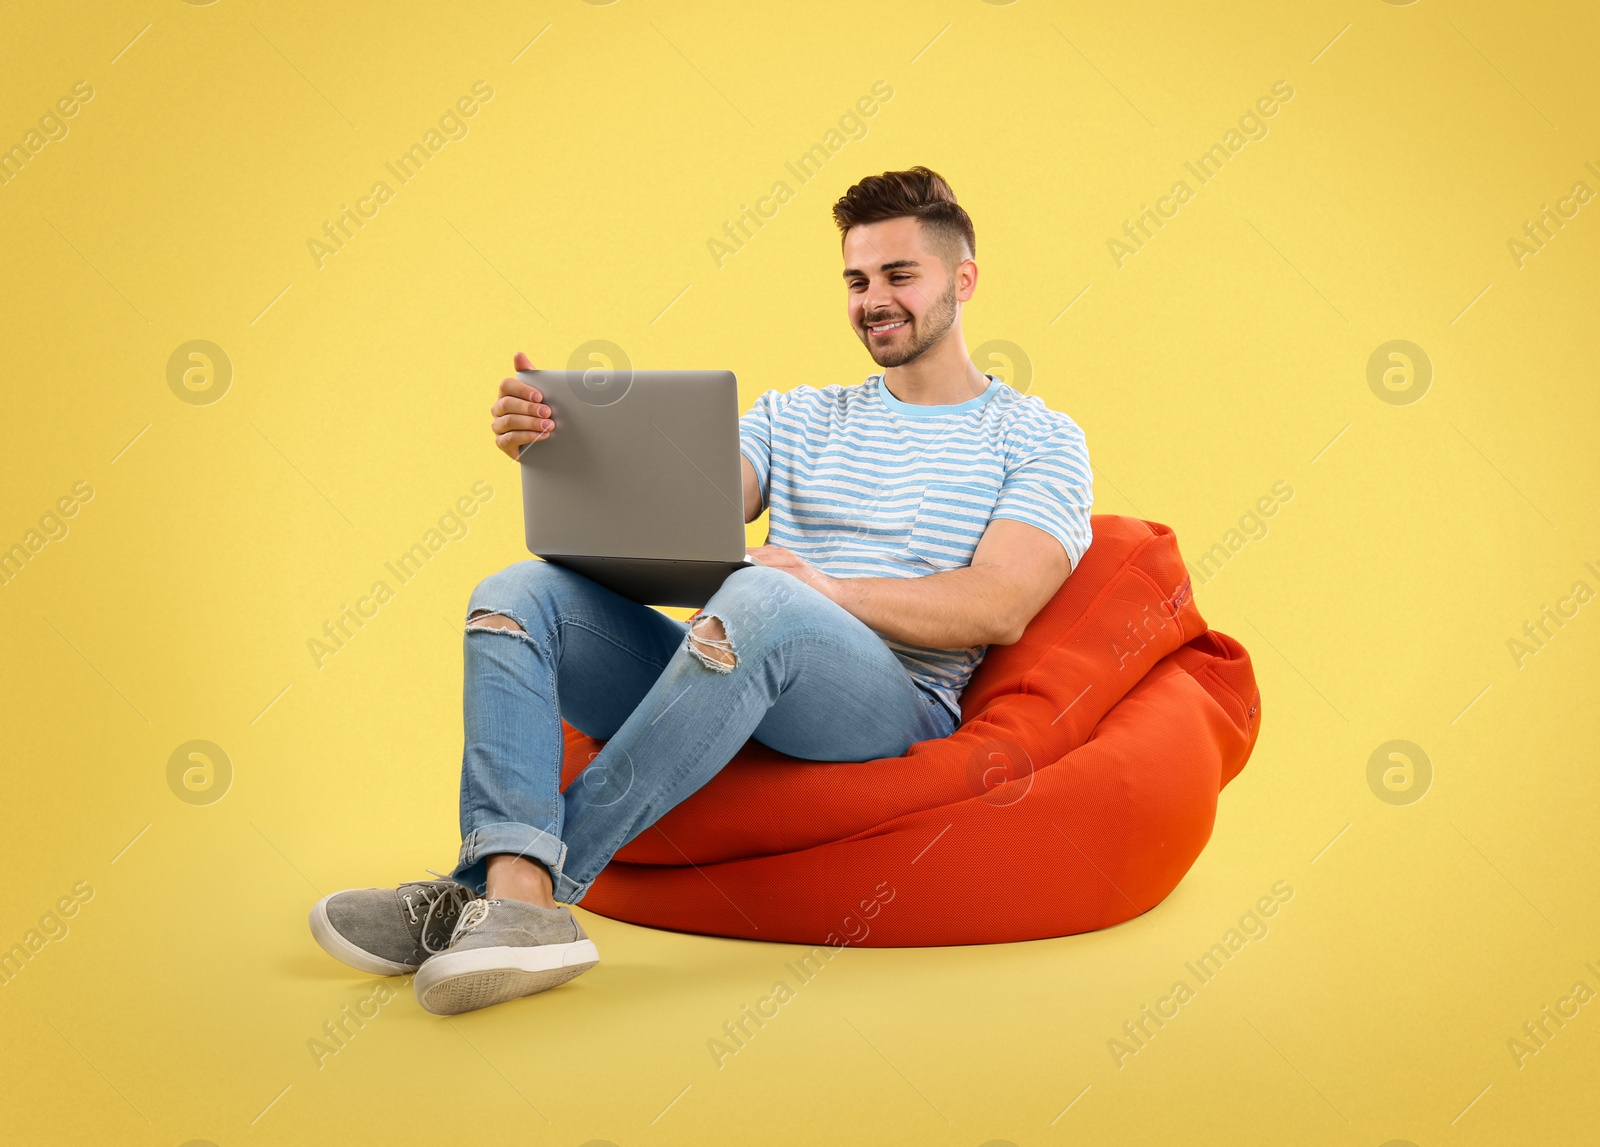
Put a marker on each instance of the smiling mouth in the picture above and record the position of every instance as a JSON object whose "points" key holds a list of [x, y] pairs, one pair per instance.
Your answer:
{"points": [[881, 330]]}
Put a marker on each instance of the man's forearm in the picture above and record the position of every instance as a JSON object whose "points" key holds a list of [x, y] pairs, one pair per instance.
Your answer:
{"points": [[950, 610]]}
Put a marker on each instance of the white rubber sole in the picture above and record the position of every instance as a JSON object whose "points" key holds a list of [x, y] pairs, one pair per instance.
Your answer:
{"points": [[347, 953], [455, 982]]}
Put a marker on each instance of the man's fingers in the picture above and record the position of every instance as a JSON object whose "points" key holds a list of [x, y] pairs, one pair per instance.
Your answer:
{"points": [[520, 437], [510, 404], [520, 422], [515, 404], [523, 390], [513, 442], [516, 388], [519, 413]]}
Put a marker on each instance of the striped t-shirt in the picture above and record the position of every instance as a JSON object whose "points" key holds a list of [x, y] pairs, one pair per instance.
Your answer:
{"points": [[861, 484]]}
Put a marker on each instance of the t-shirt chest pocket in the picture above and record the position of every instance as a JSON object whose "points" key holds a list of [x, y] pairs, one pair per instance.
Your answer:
{"points": [[949, 522]]}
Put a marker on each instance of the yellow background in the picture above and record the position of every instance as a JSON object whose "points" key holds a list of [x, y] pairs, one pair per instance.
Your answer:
{"points": [[1228, 355]]}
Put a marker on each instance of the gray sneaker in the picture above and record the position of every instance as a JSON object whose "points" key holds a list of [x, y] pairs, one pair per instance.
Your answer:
{"points": [[502, 949], [389, 931]]}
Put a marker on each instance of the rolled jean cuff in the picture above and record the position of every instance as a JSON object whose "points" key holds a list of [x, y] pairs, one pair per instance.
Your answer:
{"points": [[569, 891], [517, 839]]}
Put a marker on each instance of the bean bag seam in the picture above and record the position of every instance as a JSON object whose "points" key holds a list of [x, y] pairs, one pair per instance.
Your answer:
{"points": [[1081, 619], [1210, 669], [1129, 565]]}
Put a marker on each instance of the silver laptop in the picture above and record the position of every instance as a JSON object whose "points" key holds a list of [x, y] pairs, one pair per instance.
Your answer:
{"points": [[639, 486]]}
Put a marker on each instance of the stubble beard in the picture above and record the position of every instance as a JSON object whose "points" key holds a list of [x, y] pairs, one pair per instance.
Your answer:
{"points": [[925, 332]]}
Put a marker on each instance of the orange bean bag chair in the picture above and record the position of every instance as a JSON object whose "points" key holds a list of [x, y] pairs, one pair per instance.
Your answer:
{"points": [[1080, 787]]}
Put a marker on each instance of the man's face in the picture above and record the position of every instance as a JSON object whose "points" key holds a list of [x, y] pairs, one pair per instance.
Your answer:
{"points": [[902, 298]]}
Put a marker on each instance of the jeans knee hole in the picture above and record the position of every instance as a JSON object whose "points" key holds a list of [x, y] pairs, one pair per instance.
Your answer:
{"points": [[714, 651], [484, 619]]}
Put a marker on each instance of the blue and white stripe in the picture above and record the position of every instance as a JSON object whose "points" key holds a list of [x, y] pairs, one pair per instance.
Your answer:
{"points": [[861, 484]]}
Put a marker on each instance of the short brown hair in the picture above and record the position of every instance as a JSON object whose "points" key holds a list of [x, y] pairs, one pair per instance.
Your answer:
{"points": [[919, 193]]}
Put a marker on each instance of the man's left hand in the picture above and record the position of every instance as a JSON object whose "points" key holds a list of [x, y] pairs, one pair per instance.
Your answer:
{"points": [[792, 563]]}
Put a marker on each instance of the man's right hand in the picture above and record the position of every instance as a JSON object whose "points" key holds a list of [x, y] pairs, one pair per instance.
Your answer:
{"points": [[520, 415]]}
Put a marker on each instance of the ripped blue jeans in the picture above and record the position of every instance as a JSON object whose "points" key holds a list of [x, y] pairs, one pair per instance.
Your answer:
{"points": [[670, 700]]}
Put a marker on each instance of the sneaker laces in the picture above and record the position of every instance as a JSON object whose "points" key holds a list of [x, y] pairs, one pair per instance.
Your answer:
{"points": [[441, 901], [471, 916]]}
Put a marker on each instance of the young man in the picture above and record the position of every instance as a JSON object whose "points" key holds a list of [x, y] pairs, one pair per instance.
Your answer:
{"points": [[915, 520]]}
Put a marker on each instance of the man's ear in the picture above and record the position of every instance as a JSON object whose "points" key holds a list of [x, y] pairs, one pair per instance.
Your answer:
{"points": [[966, 279]]}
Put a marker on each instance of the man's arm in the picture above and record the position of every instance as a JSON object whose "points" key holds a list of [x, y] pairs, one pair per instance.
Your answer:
{"points": [[1016, 569], [752, 490]]}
